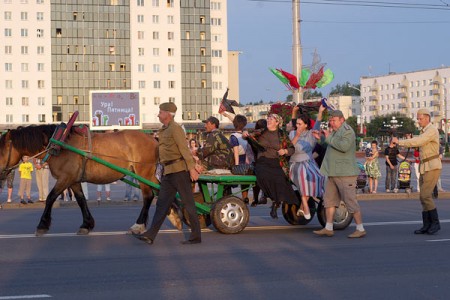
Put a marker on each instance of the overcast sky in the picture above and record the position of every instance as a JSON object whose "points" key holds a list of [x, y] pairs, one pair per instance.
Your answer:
{"points": [[352, 40]]}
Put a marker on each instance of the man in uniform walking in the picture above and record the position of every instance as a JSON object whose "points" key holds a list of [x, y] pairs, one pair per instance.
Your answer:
{"points": [[430, 169], [179, 170]]}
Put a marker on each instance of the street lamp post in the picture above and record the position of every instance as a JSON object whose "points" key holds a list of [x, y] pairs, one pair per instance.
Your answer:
{"points": [[361, 105], [393, 124], [445, 115]]}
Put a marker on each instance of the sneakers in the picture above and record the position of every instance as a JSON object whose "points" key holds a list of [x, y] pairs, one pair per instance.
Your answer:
{"points": [[9, 201], [396, 191], [357, 234], [108, 199], [29, 201], [99, 199], [23, 201], [301, 213], [324, 232], [388, 190]]}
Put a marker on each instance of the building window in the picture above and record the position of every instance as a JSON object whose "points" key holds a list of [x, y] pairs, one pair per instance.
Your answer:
{"points": [[9, 101], [142, 84], [114, 2], [170, 35], [188, 35], [202, 20], [172, 99], [215, 5], [23, 16], [170, 20], [24, 32], [155, 19], [112, 50], [140, 35], [25, 118], [216, 53], [24, 67], [216, 22], [170, 52], [140, 2], [171, 84], [171, 68], [8, 49], [156, 84], [8, 67], [216, 38], [112, 67], [155, 68], [203, 84], [39, 16], [155, 3], [24, 50], [40, 50], [123, 67], [41, 84], [8, 32], [40, 33], [203, 35], [25, 84], [140, 18], [9, 118], [58, 32], [41, 101], [156, 100], [169, 3], [155, 51], [39, 1], [8, 84], [141, 68], [203, 68], [41, 118], [141, 51], [202, 51], [155, 35], [25, 101], [7, 15]]}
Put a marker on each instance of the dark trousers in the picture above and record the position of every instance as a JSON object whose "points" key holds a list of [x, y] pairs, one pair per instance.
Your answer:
{"points": [[391, 178], [171, 184]]}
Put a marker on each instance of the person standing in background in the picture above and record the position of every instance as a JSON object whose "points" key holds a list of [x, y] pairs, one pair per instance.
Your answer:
{"points": [[391, 153], [9, 184], [42, 175], [25, 170]]}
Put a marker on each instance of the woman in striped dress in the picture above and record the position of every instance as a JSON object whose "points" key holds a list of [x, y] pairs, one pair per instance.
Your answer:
{"points": [[304, 171]]}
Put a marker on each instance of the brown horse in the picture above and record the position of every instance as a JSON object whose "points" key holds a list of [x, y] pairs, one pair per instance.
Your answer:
{"points": [[132, 150]]}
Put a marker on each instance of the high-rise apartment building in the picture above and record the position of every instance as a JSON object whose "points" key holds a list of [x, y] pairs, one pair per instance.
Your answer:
{"points": [[56, 52], [406, 93]]}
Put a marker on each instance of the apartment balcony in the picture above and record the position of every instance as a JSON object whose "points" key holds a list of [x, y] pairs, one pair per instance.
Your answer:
{"points": [[436, 82], [263, 112], [403, 85], [402, 95], [249, 113], [436, 113], [374, 88], [435, 92], [435, 103], [373, 98], [373, 108], [402, 105]]}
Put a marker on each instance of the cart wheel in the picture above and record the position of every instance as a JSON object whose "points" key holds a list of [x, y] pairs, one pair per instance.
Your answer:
{"points": [[342, 218], [205, 220], [290, 212], [230, 215]]}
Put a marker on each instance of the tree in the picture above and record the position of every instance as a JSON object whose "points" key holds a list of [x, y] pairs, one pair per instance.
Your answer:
{"points": [[345, 90], [314, 94], [353, 123], [380, 125]]}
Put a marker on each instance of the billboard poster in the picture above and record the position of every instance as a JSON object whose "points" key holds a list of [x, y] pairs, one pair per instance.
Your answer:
{"points": [[117, 109]]}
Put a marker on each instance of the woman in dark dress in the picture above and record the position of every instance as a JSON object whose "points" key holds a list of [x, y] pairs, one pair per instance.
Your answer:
{"points": [[272, 164]]}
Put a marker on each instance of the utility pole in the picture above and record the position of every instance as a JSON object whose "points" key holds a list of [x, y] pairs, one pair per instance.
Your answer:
{"points": [[296, 48]]}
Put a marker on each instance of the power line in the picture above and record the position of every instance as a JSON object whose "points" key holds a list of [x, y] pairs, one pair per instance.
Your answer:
{"points": [[376, 22], [380, 4]]}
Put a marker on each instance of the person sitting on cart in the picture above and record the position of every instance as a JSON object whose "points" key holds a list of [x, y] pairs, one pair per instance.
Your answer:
{"points": [[216, 152]]}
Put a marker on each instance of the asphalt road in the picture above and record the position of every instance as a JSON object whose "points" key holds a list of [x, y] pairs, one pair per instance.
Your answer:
{"points": [[268, 260]]}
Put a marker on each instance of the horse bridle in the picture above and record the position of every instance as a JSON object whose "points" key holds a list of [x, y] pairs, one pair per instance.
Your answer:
{"points": [[6, 170]]}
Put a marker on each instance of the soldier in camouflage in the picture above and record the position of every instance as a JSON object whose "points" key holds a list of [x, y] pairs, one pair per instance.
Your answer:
{"points": [[216, 152]]}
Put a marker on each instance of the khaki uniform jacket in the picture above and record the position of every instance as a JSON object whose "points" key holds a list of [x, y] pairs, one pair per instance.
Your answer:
{"points": [[340, 158], [173, 146], [428, 143]]}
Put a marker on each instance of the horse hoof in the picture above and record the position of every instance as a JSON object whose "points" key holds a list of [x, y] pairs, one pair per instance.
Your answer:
{"points": [[136, 229], [83, 231], [40, 232]]}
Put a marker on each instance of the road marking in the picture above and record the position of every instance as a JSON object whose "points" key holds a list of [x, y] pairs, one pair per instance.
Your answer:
{"points": [[25, 297], [171, 231], [441, 240]]}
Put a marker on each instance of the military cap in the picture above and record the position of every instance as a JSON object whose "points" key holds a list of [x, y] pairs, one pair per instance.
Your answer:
{"points": [[212, 120], [335, 113], [168, 106], [423, 111]]}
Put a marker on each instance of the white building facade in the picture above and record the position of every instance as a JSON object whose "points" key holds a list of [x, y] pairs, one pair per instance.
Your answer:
{"points": [[406, 93], [56, 52]]}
